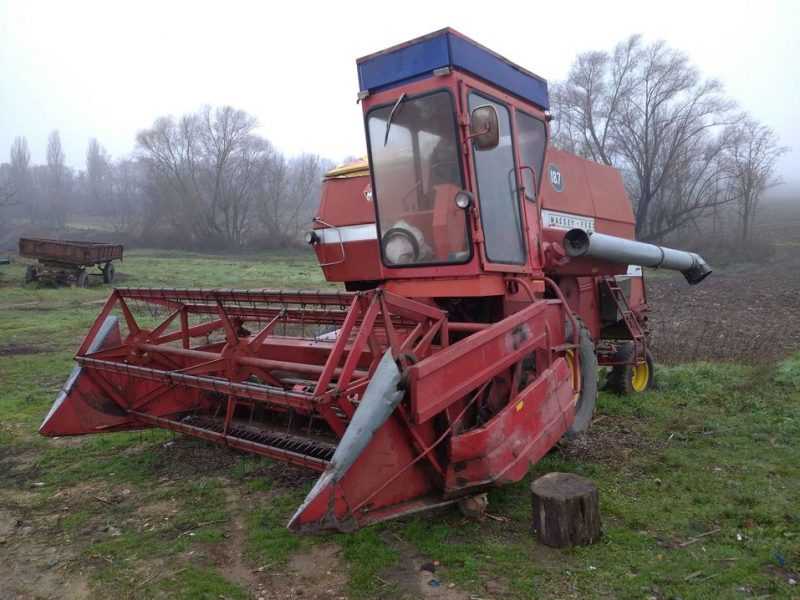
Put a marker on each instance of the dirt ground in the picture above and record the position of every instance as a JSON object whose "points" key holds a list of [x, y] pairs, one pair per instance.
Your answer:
{"points": [[746, 313], [44, 559]]}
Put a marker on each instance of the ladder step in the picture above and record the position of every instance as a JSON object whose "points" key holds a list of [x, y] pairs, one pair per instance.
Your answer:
{"points": [[635, 328]]}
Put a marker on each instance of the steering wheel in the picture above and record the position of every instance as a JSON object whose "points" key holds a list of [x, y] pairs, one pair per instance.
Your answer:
{"points": [[418, 183], [407, 193]]}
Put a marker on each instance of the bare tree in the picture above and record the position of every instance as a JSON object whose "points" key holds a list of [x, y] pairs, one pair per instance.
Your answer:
{"points": [[588, 103], [127, 196], [646, 110], [698, 185], [306, 173], [232, 167], [290, 196], [55, 203], [754, 152], [98, 174], [205, 170], [6, 194], [274, 197], [19, 177], [7, 197], [167, 151]]}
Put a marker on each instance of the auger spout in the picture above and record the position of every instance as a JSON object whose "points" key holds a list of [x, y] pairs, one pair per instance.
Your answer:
{"points": [[578, 242]]}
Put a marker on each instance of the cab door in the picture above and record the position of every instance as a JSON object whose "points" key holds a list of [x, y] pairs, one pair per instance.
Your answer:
{"points": [[497, 190], [531, 135]]}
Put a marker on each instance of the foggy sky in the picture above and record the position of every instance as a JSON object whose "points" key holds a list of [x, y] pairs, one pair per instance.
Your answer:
{"points": [[108, 69]]}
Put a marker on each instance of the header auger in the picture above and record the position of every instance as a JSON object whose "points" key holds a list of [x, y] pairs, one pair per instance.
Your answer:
{"points": [[467, 342]]}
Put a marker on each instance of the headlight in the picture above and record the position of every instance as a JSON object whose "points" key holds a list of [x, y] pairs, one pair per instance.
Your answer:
{"points": [[400, 247], [463, 199]]}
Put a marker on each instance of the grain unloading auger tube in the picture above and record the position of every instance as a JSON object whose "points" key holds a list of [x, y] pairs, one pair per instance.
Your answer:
{"points": [[397, 407], [578, 242]]}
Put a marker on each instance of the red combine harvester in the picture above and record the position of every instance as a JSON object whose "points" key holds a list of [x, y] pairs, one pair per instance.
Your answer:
{"points": [[487, 274]]}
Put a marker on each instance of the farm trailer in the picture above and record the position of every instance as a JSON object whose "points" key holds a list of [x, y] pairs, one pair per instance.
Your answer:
{"points": [[67, 261]]}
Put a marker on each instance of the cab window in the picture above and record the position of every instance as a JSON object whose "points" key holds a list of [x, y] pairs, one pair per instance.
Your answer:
{"points": [[532, 140]]}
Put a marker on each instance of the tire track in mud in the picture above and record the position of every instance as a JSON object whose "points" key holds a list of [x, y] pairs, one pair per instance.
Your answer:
{"points": [[234, 566], [316, 573]]}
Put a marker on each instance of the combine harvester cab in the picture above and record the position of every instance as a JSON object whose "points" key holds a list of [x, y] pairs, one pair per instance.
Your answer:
{"points": [[481, 274]]}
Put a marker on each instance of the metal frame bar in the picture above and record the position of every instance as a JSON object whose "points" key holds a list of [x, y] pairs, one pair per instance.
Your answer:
{"points": [[370, 321]]}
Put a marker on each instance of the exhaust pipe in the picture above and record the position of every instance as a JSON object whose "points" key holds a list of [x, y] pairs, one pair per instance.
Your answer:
{"points": [[578, 242]]}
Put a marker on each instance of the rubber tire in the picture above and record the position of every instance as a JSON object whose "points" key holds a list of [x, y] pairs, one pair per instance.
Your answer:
{"points": [[30, 274], [587, 399], [108, 272], [82, 280], [620, 379]]}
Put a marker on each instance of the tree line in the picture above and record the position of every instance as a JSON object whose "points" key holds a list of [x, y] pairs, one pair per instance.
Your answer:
{"points": [[204, 180], [691, 161]]}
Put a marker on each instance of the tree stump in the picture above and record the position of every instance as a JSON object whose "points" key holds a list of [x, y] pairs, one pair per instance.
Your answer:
{"points": [[566, 510]]}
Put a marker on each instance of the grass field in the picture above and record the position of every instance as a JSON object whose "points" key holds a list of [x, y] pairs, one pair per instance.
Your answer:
{"points": [[698, 482]]}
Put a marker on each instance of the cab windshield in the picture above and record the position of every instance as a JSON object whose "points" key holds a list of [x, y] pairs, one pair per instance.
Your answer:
{"points": [[416, 173]]}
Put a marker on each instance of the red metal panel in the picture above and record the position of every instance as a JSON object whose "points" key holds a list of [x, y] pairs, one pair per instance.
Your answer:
{"points": [[518, 436], [345, 201], [351, 261], [349, 503], [588, 189], [443, 287], [454, 372]]}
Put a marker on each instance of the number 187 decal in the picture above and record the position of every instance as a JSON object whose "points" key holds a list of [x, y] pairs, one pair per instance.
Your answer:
{"points": [[555, 178]]}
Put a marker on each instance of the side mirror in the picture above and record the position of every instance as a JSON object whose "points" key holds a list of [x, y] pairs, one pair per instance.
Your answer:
{"points": [[484, 130]]}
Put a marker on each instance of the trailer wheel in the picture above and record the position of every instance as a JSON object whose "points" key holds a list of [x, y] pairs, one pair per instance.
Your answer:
{"points": [[587, 370], [108, 272], [629, 378], [82, 281], [30, 274]]}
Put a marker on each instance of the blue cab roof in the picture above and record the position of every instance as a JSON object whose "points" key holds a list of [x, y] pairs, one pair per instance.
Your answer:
{"points": [[418, 58]]}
